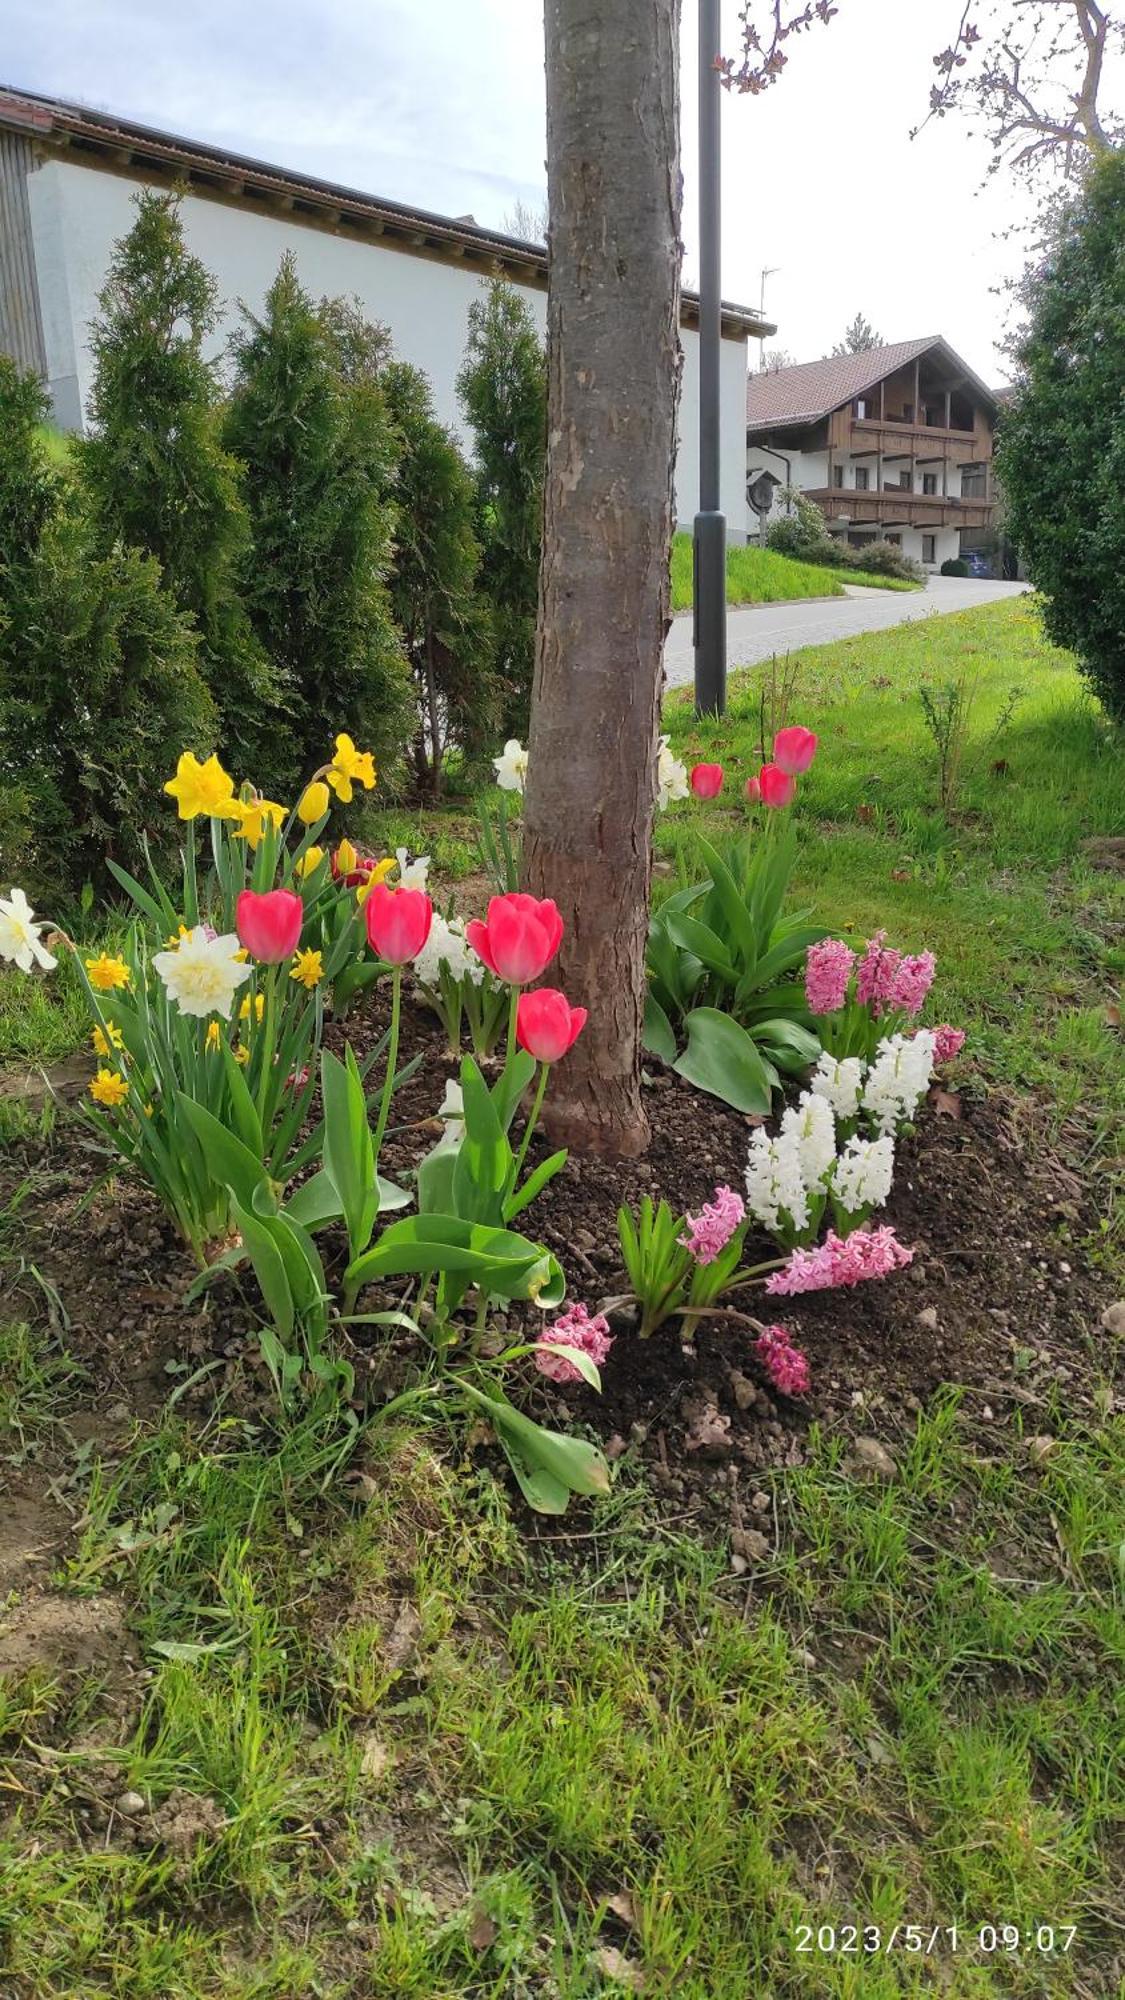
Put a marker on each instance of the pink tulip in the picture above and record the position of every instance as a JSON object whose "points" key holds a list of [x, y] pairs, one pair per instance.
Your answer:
{"points": [[777, 787], [269, 924], [518, 938], [398, 922], [753, 790], [794, 750], [706, 780], [546, 1023]]}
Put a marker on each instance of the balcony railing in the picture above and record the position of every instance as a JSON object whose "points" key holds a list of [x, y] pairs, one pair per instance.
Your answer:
{"points": [[850, 503]]}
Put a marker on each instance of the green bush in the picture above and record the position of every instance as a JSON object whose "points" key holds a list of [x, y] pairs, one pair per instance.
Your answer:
{"points": [[802, 534], [312, 430], [157, 475], [886, 559], [955, 566], [1061, 457], [99, 684], [444, 620], [503, 390]]}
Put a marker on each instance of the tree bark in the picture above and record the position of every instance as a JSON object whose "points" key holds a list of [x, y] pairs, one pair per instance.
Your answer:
{"points": [[613, 358]]}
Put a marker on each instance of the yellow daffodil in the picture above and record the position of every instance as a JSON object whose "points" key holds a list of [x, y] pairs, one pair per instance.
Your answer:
{"points": [[109, 1088], [345, 858], [255, 817], [350, 767], [106, 974], [241, 1054], [107, 1039], [212, 1039], [314, 802], [202, 788], [378, 874], [177, 937], [257, 1003], [308, 967], [309, 860]]}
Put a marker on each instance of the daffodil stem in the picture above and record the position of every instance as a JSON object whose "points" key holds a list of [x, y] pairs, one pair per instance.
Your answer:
{"points": [[532, 1121], [392, 1063], [191, 892]]}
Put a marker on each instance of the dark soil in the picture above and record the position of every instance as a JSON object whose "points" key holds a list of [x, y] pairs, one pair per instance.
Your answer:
{"points": [[999, 1298]]}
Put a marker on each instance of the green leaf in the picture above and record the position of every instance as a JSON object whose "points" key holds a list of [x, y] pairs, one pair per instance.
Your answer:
{"points": [[721, 1059], [269, 1269], [790, 1046], [349, 1155], [534, 1185], [659, 1037], [159, 913], [244, 1111], [510, 1086], [696, 937], [548, 1466], [228, 1158], [315, 1202], [745, 936], [391, 1196]]}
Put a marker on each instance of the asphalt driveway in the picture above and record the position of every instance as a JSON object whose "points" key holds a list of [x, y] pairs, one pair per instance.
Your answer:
{"points": [[754, 631]]}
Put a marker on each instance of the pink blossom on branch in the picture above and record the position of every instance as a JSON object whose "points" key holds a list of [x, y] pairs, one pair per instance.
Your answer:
{"points": [[866, 1253], [786, 1366], [828, 969], [576, 1328], [711, 1230], [948, 1042]]}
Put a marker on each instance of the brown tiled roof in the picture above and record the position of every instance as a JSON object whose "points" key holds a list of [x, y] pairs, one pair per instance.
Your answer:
{"points": [[812, 388], [101, 137]]}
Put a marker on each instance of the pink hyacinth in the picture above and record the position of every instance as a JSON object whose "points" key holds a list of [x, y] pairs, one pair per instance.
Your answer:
{"points": [[878, 970], [828, 969], [711, 1230], [577, 1329], [786, 1366], [912, 982], [841, 1260], [948, 1042]]}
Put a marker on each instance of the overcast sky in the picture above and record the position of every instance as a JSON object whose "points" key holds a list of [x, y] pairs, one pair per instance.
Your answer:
{"points": [[442, 104]]}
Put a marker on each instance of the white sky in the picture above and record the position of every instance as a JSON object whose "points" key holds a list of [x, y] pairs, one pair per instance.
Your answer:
{"points": [[440, 102]]}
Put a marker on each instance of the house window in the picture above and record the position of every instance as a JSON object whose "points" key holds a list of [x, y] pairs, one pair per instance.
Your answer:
{"points": [[860, 406], [862, 479], [974, 482], [929, 482], [929, 548], [904, 479], [895, 539], [837, 475]]}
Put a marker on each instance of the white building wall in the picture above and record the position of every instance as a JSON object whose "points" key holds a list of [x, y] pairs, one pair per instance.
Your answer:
{"points": [[809, 470], [79, 214]]}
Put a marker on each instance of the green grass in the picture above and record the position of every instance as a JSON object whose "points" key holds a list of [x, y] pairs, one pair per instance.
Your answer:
{"points": [[758, 576], [913, 1715]]}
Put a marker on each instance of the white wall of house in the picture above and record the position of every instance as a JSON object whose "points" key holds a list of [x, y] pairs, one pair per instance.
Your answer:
{"points": [[809, 470], [79, 213]]}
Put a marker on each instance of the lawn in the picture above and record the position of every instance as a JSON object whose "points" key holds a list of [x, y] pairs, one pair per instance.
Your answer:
{"points": [[436, 1750], [758, 576]]}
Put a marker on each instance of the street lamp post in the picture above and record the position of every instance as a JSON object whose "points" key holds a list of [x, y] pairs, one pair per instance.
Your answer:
{"points": [[709, 566]]}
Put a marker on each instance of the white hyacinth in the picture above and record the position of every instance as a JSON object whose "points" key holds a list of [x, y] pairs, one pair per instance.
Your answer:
{"points": [[20, 942], [412, 874], [774, 1180], [839, 1083], [864, 1173], [446, 946], [813, 1128], [898, 1079], [671, 777], [202, 972], [511, 767]]}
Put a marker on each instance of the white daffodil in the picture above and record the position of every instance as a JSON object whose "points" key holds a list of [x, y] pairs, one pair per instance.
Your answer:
{"points": [[19, 934], [671, 777], [202, 974], [511, 767], [412, 874]]}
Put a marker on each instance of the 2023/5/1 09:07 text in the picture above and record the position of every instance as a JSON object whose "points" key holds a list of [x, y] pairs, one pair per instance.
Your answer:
{"points": [[874, 1941]]}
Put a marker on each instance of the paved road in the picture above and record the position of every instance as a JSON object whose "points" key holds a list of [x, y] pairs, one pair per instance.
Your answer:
{"points": [[754, 631]]}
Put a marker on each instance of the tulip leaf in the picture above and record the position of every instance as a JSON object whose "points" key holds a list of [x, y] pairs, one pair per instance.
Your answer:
{"points": [[721, 1059], [548, 1466], [228, 1159], [699, 939], [269, 1269], [349, 1155], [315, 1202], [534, 1184], [659, 1036], [391, 1196]]}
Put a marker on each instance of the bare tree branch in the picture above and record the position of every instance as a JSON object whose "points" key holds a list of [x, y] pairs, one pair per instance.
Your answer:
{"points": [[763, 51]]}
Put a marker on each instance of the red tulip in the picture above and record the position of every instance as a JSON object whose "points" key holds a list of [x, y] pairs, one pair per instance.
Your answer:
{"points": [[546, 1023], [706, 780], [794, 750], [398, 922], [518, 938], [269, 924], [777, 787], [753, 790]]}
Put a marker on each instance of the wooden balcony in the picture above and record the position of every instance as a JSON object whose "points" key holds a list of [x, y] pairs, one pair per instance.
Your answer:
{"points": [[900, 510], [881, 434]]}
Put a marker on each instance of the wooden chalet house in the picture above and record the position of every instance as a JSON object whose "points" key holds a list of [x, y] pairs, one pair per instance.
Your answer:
{"points": [[893, 444]]}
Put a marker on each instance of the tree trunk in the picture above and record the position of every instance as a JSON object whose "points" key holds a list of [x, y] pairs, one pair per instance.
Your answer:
{"points": [[613, 359]]}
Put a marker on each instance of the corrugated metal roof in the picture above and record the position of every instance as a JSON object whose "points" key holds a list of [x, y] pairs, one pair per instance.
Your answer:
{"points": [[811, 389], [59, 125]]}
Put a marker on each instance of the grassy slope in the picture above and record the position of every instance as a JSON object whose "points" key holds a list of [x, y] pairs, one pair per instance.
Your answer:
{"points": [[913, 1715], [758, 576]]}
